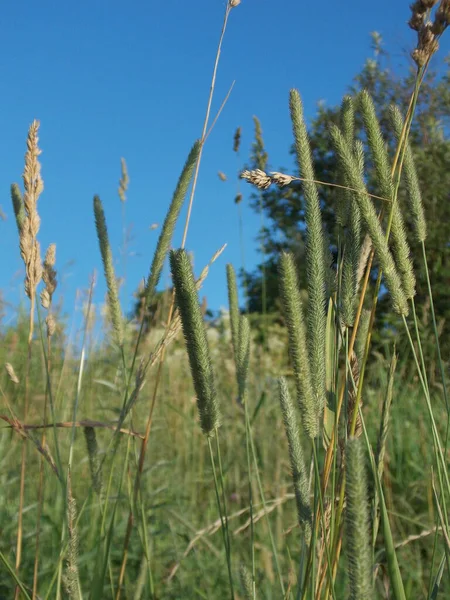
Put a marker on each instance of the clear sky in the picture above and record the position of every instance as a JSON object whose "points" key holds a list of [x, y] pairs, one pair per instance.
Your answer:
{"points": [[110, 79]]}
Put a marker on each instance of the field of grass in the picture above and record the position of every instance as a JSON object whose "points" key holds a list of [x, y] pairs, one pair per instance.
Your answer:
{"points": [[239, 458]]}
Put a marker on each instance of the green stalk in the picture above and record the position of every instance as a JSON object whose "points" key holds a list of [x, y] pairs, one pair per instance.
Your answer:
{"points": [[263, 499], [222, 517]]}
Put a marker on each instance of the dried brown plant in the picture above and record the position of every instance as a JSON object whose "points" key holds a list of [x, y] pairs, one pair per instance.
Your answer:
{"points": [[31, 254], [33, 185], [428, 31], [49, 276], [11, 373]]}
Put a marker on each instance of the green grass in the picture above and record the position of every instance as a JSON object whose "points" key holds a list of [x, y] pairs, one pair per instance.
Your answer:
{"points": [[176, 482], [169, 468]]}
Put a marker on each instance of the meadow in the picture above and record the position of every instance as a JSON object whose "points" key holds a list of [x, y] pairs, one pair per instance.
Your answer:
{"points": [[170, 455]]}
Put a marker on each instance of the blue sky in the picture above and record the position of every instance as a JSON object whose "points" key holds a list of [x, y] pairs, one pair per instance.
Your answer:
{"points": [[109, 79]]}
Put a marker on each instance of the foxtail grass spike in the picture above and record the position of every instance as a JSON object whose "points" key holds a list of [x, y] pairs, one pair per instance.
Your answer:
{"points": [[347, 119], [352, 250], [297, 462], [315, 260], [347, 125], [378, 150], [259, 156], [382, 437], [349, 164], [330, 272], [243, 356], [361, 336], [411, 179], [123, 181], [237, 139], [377, 146], [293, 314], [18, 207], [108, 267], [94, 462], [168, 227], [246, 582], [196, 341], [385, 415], [234, 307], [357, 524], [71, 573]]}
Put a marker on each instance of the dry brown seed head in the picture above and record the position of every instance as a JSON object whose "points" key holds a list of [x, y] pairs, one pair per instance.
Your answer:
{"points": [[419, 57], [238, 199], [257, 177], [50, 256], [416, 21], [426, 36], [427, 45], [11, 373], [234, 3], [51, 325], [442, 18], [281, 179], [49, 276], [45, 299], [33, 186], [222, 176]]}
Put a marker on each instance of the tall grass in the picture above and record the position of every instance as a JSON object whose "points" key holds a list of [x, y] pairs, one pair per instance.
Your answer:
{"points": [[342, 493]]}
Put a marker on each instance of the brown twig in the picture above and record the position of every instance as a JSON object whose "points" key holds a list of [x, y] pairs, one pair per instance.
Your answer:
{"points": [[15, 424]]}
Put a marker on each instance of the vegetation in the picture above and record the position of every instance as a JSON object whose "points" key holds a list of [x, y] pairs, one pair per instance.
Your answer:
{"points": [[308, 462], [284, 208]]}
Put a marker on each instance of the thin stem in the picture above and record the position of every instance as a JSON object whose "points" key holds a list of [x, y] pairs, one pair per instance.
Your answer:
{"points": [[24, 445], [324, 528], [261, 493], [222, 517], [144, 445], [205, 124], [250, 495], [41, 479], [224, 506]]}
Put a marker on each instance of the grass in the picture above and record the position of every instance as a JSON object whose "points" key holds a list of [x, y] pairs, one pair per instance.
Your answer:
{"points": [[141, 465], [177, 480]]}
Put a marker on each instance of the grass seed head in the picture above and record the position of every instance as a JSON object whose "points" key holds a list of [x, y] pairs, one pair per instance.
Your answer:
{"points": [[237, 140], [257, 177], [49, 276], [441, 18], [33, 185], [281, 179], [123, 181], [11, 373]]}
